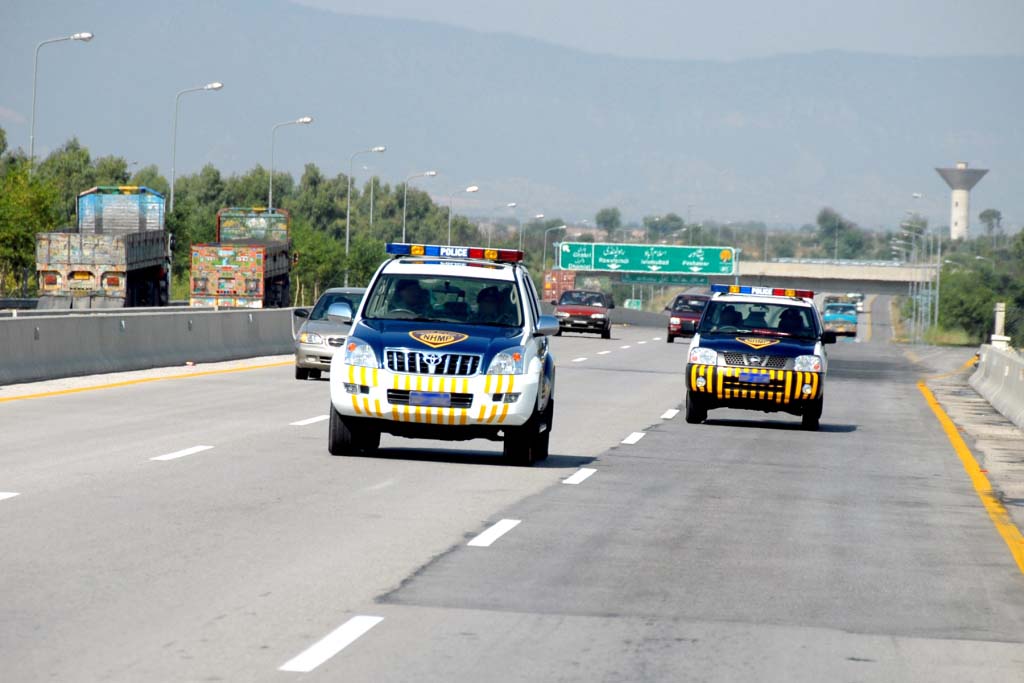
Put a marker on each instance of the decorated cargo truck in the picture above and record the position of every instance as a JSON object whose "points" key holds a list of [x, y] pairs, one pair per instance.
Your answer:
{"points": [[249, 265], [118, 255]]}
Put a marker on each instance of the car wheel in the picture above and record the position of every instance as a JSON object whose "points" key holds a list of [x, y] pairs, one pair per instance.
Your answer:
{"points": [[811, 417], [606, 334], [669, 339], [523, 446], [314, 374], [301, 373], [559, 333], [696, 411], [345, 438]]}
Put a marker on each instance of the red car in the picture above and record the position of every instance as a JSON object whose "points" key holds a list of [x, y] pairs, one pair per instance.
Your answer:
{"points": [[580, 310], [684, 314]]}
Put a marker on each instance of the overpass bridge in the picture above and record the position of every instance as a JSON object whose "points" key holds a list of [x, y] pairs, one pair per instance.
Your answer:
{"points": [[869, 277]]}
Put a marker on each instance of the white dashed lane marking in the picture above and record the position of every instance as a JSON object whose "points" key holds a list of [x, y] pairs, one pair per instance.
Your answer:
{"points": [[603, 353], [641, 342], [331, 644], [580, 476], [655, 338], [4, 495], [309, 421], [624, 347], [669, 414], [181, 454], [495, 532], [579, 360], [633, 438]]}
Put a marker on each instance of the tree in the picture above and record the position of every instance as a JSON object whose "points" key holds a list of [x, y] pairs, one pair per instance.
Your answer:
{"points": [[70, 169], [609, 220], [150, 177], [28, 204], [993, 220], [111, 170]]}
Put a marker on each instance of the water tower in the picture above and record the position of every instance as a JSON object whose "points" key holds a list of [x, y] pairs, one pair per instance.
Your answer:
{"points": [[960, 179]]}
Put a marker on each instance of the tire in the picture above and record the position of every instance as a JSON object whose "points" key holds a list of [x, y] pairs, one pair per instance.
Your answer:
{"points": [[526, 445], [314, 374], [607, 334], [301, 373], [669, 339], [811, 417], [696, 412], [559, 333], [345, 438], [543, 439]]}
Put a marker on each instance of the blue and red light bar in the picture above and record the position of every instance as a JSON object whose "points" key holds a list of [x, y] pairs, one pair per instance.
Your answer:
{"points": [[763, 291], [481, 253]]}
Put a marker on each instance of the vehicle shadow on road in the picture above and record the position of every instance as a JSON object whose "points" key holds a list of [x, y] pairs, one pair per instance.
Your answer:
{"points": [[474, 457], [783, 426]]}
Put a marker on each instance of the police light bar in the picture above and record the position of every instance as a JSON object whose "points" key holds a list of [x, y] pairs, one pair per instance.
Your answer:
{"points": [[500, 255], [763, 291]]}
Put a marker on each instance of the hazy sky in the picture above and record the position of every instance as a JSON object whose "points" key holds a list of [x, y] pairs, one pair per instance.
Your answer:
{"points": [[728, 29]]}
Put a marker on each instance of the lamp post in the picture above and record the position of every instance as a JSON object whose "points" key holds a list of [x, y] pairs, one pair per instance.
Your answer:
{"points": [[512, 216], [216, 85], [348, 198], [405, 194], [303, 121], [522, 228], [84, 37], [544, 258], [451, 203]]}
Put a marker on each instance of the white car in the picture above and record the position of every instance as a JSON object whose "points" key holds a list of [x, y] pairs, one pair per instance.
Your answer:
{"points": [[449, 343]]}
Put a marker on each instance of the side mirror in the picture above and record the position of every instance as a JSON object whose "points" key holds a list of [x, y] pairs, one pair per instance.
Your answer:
{"points": [[554, 303], [828, 337], [340, 312], [611, 303], [301, 313], [547, 325]]}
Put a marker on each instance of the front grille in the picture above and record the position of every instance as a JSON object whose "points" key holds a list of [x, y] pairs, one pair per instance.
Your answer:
{"points": [[431, 363], [400, 397], [747, 360], [336, 341]]}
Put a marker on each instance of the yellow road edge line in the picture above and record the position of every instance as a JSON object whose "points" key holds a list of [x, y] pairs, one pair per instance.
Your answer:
{"points": [[967, 364], [996, 510], [144, 380]]}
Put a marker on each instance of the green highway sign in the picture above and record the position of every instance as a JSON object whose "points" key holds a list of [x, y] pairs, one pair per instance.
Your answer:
{"points": [[663, 279], [646, 258]]}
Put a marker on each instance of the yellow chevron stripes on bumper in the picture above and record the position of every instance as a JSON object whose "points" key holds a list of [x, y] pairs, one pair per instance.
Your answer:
{"points": [[785, 386]]}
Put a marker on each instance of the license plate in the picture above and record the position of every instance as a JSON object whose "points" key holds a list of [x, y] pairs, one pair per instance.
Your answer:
{"points": [[430, 399], [755, 378]]}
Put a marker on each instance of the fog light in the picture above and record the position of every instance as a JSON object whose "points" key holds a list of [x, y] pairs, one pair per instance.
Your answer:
{"points": [[351, 388], [806, 390], [701, 382], [511, 398]]}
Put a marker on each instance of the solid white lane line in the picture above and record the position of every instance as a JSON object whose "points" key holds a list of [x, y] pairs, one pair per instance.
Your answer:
{"points": [[308, 421], [495, 532], [579, 360], [641, 342], [182, 454], [581, 475], [634, 437], [603, 353], [331, 644], [669, 414], [4, 495], [624, 347]]}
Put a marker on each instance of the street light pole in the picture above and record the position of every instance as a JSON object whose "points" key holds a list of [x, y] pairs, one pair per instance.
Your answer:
{"points": [[544, 258], [84, 37], [303, 121], [348, 198], [451, 206], [522, 228], [216, 85], [405, 194]]}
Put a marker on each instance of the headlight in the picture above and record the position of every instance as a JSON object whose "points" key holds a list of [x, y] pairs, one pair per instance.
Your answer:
{"points": [[807, 363], [598, 316], [311, 338], [359, 353], [511, 361], [703, 356], [674, 321], [561, 314]]}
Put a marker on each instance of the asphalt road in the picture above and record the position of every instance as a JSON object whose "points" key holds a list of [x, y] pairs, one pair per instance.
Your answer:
{"points": [[741, 549]]}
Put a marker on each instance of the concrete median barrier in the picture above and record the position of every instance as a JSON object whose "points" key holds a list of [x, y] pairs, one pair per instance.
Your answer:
{"points": [[40, 348], [1000, 380]]}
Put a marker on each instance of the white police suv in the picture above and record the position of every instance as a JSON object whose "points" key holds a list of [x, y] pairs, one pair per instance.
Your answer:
{"points": [[448, 343]]}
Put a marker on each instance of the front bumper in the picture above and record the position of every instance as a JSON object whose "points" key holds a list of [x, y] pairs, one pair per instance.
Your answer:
{"points": [[478, 400], [849, 329], [574, 324], [742, 387], [314, 356]]}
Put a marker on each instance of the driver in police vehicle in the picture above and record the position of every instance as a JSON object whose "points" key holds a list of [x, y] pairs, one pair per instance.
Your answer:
{"points": [[410, 296], [791, 322]]}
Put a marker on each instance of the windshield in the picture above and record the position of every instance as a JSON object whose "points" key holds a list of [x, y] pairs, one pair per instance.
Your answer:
{"points": [[783, 320], [474, 301], [574, 298], [319, 311], [688, 305], [841, 309]]}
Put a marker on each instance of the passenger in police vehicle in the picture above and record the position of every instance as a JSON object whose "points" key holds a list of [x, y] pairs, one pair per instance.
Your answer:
{"points": [[490, 310]]}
